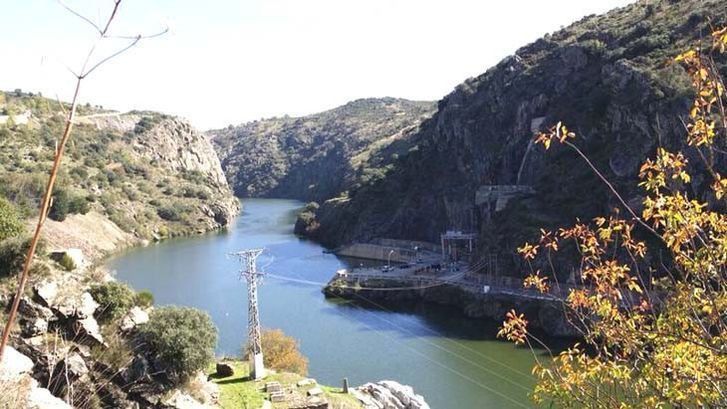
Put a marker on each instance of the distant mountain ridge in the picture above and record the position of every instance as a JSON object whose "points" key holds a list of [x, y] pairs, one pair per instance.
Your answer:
{"points": [[319, 156], [610, 78]]}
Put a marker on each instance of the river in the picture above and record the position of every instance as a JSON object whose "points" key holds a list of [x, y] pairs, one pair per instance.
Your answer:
{"points": [[453, 361]]}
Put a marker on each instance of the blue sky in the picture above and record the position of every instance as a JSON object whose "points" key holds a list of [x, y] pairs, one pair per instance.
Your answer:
{"points": [[226, 62]]}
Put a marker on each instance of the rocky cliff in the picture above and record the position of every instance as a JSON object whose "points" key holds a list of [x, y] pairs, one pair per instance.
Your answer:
{"points": [[472, 165], [317, 157], [151, 174], [125, 179]]}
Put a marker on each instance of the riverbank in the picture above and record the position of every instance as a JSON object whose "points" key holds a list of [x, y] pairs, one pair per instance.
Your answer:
{"points": [[284, 390], [99, 238], [445, 356], [545, 314], [239, 391]]}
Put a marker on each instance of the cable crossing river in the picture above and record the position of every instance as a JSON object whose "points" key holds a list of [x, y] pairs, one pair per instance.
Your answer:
{"points": [[452, 361]]}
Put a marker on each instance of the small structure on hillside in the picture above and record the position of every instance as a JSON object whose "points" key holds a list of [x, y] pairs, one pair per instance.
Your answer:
{"points": [[457, 245]]}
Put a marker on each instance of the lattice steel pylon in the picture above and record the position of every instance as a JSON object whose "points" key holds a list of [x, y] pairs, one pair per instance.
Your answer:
{"points": [[249, 273]]}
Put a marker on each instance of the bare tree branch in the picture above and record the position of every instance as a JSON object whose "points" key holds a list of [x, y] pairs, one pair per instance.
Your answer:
{"points": [[47, 200], [79, 15], [104, 60]]}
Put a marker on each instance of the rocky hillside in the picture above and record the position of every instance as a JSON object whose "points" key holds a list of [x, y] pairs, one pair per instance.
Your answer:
{"points": [[472, 165], [125, 178], [152, 175], [317, 157]]}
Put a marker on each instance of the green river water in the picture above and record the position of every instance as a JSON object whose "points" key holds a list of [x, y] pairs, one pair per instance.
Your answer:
{"points": [[453, 361]]}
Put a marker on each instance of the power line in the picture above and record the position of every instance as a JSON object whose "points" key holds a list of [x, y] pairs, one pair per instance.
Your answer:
{"points": [[463, 358], [451, 340], [478, 353], [447, 367]]}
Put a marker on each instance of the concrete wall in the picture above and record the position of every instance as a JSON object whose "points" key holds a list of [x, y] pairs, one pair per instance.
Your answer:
{"points": [[377, 252], [408, 244]]}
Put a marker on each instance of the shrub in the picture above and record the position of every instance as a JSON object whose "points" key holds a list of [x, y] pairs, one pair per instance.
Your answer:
{"points": [[144, 299], [182, 338], [115, 299], [79, 173], [203, 194], [59, 210], [65, 204], [169, 213], [78, 205], [67, 262], [10, 223], [281, 352], [13, 252], [145, 124]]}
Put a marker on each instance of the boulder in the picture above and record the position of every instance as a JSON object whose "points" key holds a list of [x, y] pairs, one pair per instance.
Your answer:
{"points": [[306, 382], [66, 297], [14, 365], [29, 309], [208, 392], [47, 291], [224, 370], [135, 316], [87, 306], [33, 327], [89, 331], [315, 391], [15, 371], [74, 254], [67, 371], [41, 398], [389, 395], [182, 400]]}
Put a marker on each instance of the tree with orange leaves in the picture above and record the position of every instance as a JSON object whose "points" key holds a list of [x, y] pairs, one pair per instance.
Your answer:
{"points": [[655, 338]]}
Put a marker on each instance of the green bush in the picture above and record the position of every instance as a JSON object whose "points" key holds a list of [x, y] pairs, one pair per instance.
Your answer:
{"points": [[115, 299], [183, 340], [169, 213], [79, 173], [67, 263], [65, 204], [10, 223], [59, 210], [78, 205], [13, 252], [144, 299]]}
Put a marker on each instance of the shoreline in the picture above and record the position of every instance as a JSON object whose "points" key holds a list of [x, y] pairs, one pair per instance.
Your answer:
{"points": [[548, 315]]}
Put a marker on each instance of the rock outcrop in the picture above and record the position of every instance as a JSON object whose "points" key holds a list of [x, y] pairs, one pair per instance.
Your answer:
{"points": [[19, 389], [146, 174], [608, 77], [93, 233], [66, 358], [316, 157], [389, 395]]}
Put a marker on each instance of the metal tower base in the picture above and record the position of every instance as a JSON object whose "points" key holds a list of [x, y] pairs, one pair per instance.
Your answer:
{"points": [[257, 368]]}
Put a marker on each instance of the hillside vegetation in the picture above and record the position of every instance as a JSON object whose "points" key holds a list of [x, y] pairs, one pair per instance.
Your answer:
{"points": [[317, 157], [153, 175], [610, 77], [81, 337]]}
